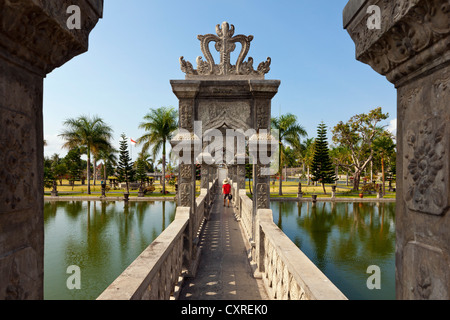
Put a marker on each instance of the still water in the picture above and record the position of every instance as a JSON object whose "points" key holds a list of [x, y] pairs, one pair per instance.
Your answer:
{"points": [[101, 238], [343, 240]]}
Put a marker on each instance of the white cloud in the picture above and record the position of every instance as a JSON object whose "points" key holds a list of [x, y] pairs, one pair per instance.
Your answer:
{"points": [[392, 128], [54, 145]]}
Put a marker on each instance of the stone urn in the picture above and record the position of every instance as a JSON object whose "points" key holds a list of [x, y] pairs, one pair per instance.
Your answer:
{"points": [[141, 192]]}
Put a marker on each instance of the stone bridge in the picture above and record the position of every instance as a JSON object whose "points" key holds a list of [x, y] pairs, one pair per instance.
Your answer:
{"points": [[217, 251], [406, 41], [225, 260]]}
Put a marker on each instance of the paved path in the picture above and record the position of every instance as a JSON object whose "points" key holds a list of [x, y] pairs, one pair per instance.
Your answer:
{"points": [[224, 272]]}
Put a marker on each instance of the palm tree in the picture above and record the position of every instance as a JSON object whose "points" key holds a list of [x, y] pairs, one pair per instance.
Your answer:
{"points": [[159, 125], [91, 133], [289, 132], [148, 161], [308, 155], [109, 157]]}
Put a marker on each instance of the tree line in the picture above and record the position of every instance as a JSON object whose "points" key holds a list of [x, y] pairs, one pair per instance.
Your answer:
{"points": [[359, 143]]}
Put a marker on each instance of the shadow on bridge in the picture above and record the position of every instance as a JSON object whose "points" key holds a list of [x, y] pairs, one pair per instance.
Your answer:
{"points": [[224, 272]]}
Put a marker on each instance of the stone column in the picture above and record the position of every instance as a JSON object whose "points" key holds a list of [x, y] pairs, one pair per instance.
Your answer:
{"points": [[187, 146], [235, 184], [408, 42], [299, 192], [206, 188], [204, 183], [261, 144], [380, 192], [185, 142], [240, 179], [34, 40]]}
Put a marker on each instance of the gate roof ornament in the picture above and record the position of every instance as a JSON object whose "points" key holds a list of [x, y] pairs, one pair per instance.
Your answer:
{"points": [[225, 45]]}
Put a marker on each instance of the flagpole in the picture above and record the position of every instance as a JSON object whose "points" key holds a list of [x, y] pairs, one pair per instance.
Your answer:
{"points": [[131, 147]]}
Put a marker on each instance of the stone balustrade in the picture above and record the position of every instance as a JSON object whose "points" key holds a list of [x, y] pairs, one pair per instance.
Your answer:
{"points": [[246, 214], [287, 273], [158, 272]]}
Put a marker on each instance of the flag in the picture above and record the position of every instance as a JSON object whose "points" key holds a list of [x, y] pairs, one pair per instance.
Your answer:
{"points": [[133, 141]]}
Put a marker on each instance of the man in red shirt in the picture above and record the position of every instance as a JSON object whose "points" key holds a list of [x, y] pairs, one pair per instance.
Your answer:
{"points": [[226, 190]]}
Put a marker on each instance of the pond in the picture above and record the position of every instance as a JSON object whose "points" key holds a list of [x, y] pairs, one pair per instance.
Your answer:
{"points": [[100, 238], [343, 239]]}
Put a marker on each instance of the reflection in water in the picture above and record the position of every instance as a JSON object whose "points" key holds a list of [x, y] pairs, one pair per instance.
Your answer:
{"points": [[343, 240], [102, 238]]}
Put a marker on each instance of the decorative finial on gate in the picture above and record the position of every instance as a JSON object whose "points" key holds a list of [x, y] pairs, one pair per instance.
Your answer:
{"points": [[225, 45]]}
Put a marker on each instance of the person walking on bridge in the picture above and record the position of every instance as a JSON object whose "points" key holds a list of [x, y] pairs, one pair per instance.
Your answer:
{"points": [[226, 190]]}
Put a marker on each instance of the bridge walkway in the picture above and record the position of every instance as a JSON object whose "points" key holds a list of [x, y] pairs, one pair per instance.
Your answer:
{"points": [[224, 271]]}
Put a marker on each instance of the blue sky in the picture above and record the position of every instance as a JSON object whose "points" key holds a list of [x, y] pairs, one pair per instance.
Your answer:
{"points": [[134, 51]]}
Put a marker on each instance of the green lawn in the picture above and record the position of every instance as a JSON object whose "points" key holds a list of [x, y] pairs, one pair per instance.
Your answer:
{"points": [[289, 190]]}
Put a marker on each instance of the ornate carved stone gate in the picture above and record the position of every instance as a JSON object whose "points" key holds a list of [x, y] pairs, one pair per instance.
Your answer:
{"points": [[224, 110]]}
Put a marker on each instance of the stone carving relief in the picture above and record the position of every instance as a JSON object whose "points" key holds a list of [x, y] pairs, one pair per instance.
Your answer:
{"points": [[225, 44], [186, 171], [428, 278], [186, 115], [216, 114], [425, 162], [17, 189], [262, 196], [205, 176], [416, 26], [263, 115], [440, 87], [185, 195], [410, 98], [40, 26]]}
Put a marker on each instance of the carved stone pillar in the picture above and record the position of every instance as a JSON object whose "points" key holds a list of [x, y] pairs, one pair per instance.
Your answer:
{"points": [[187, 145], [206, 173], [263, 92], [411, 48], [241, 176], [34, 40]]}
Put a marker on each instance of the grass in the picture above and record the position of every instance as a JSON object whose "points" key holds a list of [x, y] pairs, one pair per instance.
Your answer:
{"points": [[290, 189], [80, 190]]}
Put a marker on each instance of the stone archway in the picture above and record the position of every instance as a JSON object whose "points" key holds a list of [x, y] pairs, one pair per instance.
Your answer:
{"points": [[221, 98]]}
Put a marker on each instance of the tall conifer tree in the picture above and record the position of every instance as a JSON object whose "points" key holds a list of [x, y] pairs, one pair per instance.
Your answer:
{"points": [[322, 167], [125, 167]]}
